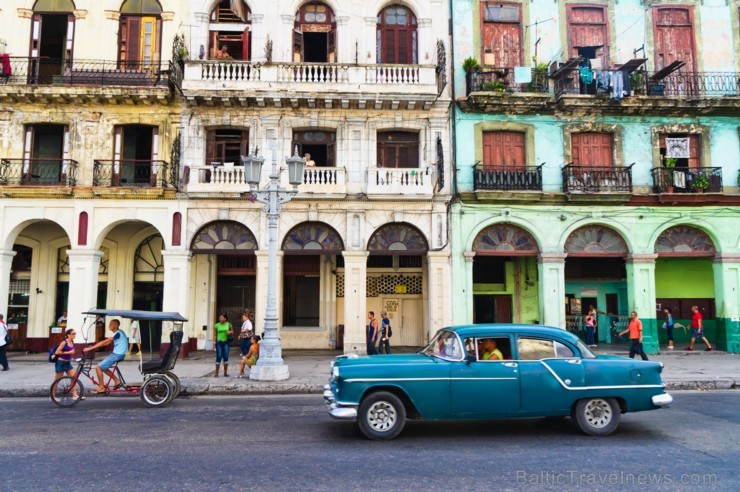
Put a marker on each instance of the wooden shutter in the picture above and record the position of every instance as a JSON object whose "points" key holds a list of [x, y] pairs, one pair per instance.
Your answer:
{"points": [[674, 37], [502, 148], [502, 39], [587, 26], [592, 149], [148, 46], [130, 43], [297, 45], [117, 155], [331, 46], [244, 149], [65, 154], [27, 151], [331, 154], [69, 42], [246, 42], [155, 165]]}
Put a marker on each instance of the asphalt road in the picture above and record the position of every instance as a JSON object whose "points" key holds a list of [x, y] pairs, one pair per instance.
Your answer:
{"points": [[290, 443]]}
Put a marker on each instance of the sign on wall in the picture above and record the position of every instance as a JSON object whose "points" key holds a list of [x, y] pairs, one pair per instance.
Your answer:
{"points": [[391, 305]]}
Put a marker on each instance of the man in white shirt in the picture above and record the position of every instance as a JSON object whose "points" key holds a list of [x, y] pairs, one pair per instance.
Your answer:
{"points": [[3, 343]]}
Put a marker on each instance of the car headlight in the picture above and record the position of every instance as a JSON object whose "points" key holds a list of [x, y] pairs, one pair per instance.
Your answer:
{"points": [[335, 373]]}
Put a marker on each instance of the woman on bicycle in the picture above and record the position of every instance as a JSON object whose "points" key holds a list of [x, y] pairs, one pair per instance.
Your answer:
{"points": [[222, 334], [65, 350]]}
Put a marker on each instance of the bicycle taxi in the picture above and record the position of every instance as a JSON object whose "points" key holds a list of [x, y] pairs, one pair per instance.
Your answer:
{"points": [[159, 385]]}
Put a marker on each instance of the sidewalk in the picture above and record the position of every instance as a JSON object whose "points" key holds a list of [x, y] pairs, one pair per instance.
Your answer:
{"points": [[31, 374]]}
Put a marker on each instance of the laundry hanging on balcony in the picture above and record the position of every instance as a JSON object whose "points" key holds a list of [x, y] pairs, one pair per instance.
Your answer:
{"points": [[677, 147]]}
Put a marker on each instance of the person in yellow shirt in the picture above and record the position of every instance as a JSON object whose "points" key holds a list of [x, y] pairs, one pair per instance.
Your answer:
{"points": [[491, 351]]}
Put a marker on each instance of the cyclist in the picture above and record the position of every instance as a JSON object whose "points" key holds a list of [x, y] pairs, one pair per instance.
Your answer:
{"points": [[120, 347]]}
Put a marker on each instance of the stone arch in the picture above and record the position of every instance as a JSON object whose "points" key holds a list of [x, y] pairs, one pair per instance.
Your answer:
{"points": [[684, 241], [292, 8], [12, 234], [619, 228], [207, 6], [514, 221], [312, 238], [137, 7], [54, 6], [503, 239], [416, 7], [224, 237], [102, 233], [397, 238], [596, 240]]}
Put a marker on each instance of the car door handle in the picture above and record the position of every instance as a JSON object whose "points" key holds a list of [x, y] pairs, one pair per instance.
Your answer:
{"points": [[574, 361], [511, 364]]}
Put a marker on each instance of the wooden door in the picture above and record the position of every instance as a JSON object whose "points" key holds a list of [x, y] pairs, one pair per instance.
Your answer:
{"points": [[503, 309], [139, 42], [502, 148], [501, 35], [592, 149], [674, 37], [588, 26], [408, 324]]}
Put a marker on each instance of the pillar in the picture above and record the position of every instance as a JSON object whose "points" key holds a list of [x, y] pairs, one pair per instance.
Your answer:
{"points": [[355, 301], [6, 264], [641, 297], [438, 298], [176, 296], [83, 288], [726, 268], [551, 285], [466, 314]]}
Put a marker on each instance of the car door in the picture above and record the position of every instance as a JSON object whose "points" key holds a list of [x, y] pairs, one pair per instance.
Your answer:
{"points": [[484, 388], [550, 372]]}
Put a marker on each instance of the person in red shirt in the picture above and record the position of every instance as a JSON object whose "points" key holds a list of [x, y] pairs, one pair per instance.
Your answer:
{"points": [[635, 331], [697, 330]]}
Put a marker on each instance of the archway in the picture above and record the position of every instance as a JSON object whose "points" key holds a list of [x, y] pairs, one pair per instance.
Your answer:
{"points": [[596, 275], [684, 277], [505, 275], [315, 34]]}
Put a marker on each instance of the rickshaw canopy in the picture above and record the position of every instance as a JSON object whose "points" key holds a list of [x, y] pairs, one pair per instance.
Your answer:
{"points": [[139, 315]]}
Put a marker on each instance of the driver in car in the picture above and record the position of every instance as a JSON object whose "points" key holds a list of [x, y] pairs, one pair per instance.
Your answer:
{"points": [[120, 347]]}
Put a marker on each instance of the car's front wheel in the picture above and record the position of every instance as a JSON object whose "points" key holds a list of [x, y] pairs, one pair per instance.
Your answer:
{"points": [[381, 416], [597, 416]]}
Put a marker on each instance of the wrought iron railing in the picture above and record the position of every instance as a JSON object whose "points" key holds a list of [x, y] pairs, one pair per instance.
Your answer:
{"points": [[507, 178], [38, 172], [131, 173], [597, 179], [50, 71], [687, 180], [502, 80]]}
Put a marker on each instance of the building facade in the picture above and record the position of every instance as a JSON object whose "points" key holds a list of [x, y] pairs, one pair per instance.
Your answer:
{"points": [[597, 160], [122, 134]]}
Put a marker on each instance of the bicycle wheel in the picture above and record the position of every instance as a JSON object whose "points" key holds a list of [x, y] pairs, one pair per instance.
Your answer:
{"points": [[62, 392], [175, 385], [155, 392]]}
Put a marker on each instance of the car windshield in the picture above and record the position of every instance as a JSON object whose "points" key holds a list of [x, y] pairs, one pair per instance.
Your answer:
{"points": [[444, 345], [585, 351]]}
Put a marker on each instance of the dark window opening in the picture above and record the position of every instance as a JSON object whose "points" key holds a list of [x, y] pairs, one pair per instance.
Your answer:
{"points": [[314, 34], [595, 269], [227, 145], [236, 37], [320, 145], [491, 309], [314, 48], [694, 150], [489, 270], [22, 259], [46, 149], [398, 149]]}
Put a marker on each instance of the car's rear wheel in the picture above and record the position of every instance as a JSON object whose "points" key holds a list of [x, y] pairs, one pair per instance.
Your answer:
{"points": [[381, 416], [597, 416]]}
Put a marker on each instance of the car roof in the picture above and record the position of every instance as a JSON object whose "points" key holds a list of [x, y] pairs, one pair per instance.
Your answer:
{"points": [[493, 329]]}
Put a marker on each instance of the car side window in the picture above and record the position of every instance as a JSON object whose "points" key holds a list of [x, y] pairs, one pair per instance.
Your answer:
{"points": [[563, 351], [491, 349], [536, 349]]}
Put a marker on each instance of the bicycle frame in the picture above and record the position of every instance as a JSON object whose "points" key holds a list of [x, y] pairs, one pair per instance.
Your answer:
{"points": [[85, 367]]}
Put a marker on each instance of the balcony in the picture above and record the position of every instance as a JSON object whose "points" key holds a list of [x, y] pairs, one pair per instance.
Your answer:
{"points": [[502, 80], [390, 182], [327, 85], [38, 172], [229, 178], [597, 179], [140, 174], [683, 180], [507, 178]]}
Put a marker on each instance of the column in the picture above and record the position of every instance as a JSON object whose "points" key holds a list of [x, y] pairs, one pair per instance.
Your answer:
{"points": [[355, 301], [438, 299], [465, 315], [726, 268], [176, 296], [551, 270], [83, 289], [6, 264], [641, 297]]}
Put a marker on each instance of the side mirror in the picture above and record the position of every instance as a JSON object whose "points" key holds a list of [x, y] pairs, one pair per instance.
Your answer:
{"points": [[469, 358]]}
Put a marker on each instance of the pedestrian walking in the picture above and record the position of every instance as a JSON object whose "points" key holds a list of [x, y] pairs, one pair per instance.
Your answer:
{"points": [[668, 325], [245, 334], [134, 337], [697, 330], [635, 331], [590, 323], [222, 331], [3, 343], [384, 343], [372, 333], [64, 352]]}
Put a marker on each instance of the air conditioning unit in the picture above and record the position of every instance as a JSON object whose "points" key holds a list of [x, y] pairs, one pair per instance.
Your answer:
{"points": [[555, 66]]}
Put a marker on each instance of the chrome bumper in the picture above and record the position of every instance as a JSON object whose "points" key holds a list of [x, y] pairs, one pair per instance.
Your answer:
{"points": [[335, 411], [663, 400]]}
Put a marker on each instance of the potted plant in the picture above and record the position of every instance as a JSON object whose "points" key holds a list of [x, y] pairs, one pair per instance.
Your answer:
{"points": [[700, 182], [670, 164], [470, 63]]}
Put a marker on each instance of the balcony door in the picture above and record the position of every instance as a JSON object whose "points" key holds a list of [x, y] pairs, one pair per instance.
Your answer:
{"points": [[136, 156], [591, 149], [227, 145], [45, 149], [503, 149], [674, 37], [230, 27], [321, 145], [52, 41], [139, 35], [398, 149], [588, 33], [397, 37], [501, 33], [315, 34]]}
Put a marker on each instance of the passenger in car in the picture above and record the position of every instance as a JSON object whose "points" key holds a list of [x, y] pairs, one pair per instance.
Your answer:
{"points": [[491, 351]]}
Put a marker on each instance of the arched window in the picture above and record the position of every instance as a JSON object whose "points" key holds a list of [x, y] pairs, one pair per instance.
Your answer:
{"points": [[506, 240], [313, 238], [229, 35], [396, 38], [684, 241], [224, 237], [315, 34], [596, 240], [140, 35], [397, 239]]}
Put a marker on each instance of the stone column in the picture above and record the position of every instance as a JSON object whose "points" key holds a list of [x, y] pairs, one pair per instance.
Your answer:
{"points": [[641, 297], [199, 36], [466, 316], [83, 289], [438, 298], [355, 301], [6, 264], [176, 296], [551, 269], [726, 268]]}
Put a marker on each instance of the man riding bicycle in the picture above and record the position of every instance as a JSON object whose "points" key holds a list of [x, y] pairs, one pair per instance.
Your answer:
{"points": [[120, 347]]}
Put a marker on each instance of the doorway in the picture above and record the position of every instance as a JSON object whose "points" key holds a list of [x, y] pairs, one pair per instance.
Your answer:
{"points": [[320, 144], [315, 47], [136, 150], [148, 297], [236, 294], [46, 147], [51, 46], [492, 309]]}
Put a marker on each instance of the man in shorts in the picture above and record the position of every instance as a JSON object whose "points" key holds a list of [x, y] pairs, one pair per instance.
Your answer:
{"points": [[697, 330], [120, 347]]}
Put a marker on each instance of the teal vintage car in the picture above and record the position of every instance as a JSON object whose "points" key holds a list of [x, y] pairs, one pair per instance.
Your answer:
{"points": [[491, 372]]}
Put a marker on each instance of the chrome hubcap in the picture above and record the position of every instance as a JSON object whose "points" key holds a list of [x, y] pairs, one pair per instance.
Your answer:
{"points": [[381, 416], [598, 413]]}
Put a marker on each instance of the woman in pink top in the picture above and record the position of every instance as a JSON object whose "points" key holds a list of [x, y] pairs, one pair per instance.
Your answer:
{"points": [[65, 351]]}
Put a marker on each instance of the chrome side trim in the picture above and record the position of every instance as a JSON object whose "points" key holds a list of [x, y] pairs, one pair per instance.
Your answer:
{"points": [[585, 388], [663, 400], [395, 380]]}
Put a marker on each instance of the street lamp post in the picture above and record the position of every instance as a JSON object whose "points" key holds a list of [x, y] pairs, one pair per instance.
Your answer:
{"points": [[270, 365]]}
